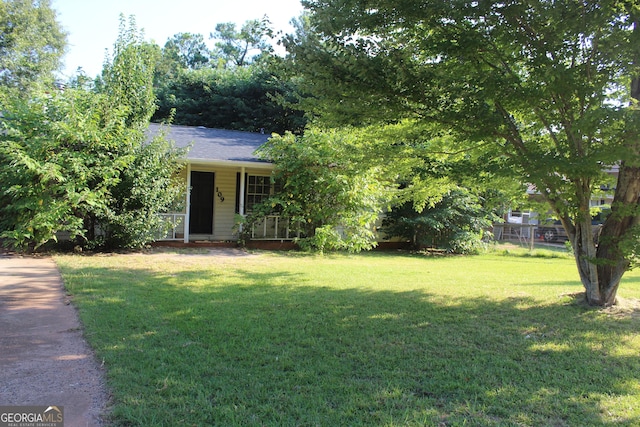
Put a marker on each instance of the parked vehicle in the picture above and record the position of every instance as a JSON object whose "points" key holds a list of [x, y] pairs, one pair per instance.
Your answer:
{"points": [[553, 231]]}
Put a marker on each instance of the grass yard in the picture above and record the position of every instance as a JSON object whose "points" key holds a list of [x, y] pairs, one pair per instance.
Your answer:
{"points": [[276, 339]]}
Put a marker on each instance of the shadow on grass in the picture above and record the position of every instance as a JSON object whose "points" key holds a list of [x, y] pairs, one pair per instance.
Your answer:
{"points": [[266, 349]]}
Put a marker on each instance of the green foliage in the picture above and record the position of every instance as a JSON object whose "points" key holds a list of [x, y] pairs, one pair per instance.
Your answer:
{"points": [[456, 223], [186, 50], [148, 186], [240, 99], [240, 85], [78, 162], [479, 71], [430, 161], [383, 62], [59, 159], [234, 47], [32, 43], [324, 172], [128, 75], [335, 199]]}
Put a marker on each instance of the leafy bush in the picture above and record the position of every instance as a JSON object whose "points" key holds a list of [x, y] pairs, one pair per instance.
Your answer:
{"points": [[78, 162], [455, 224], [335, 198]]}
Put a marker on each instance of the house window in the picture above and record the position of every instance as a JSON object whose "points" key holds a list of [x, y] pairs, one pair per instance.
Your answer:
{"points": [[258, 189]]}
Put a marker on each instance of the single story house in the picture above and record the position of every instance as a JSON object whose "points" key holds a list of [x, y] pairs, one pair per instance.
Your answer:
{"points": [[223, 178]]}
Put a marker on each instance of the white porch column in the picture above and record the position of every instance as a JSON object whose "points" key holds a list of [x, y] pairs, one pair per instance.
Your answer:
{"points": [[242, 188], [241, 193], [187, 205]]}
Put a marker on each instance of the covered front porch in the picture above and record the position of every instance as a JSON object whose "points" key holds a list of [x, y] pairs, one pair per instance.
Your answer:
{"points": [[223, 179], [216, 197]]}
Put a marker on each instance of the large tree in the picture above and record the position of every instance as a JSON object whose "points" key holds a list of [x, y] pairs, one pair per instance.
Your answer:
{"points": [[32, 42], [549, 87], [244, 86], [187, 50], [240, 48]]}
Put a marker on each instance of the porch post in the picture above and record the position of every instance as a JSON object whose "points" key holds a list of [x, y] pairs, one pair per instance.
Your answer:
{"points": [[241, 193], [187, 205]]}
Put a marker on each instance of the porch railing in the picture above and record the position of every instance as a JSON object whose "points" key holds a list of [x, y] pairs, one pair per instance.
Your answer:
{"points": [[274, 227], [271, 227], [176, 229]]}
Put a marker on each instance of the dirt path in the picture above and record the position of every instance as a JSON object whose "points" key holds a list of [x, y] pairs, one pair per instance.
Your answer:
{"points": [[44, 359]]}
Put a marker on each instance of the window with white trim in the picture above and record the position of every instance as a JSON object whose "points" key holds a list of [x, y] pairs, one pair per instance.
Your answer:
{"points": [[258, 189]]}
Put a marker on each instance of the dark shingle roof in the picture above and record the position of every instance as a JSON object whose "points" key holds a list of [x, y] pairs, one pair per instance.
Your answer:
{"points": [[212, 145]]}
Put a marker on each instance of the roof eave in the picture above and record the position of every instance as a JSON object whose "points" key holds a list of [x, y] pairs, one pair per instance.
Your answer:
{"points": [[230, 163]]}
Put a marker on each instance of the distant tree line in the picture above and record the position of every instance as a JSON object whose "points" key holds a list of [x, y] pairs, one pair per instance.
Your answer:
{"points": [[239, 84]]}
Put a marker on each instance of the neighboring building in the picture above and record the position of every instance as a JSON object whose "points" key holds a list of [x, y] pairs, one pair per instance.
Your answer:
{"points": [[225, 178]]}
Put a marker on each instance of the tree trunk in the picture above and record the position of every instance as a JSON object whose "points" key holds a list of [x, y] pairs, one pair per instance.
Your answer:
{"points": [[601, 269], [618, 223], [90, 228], [584, 251]]}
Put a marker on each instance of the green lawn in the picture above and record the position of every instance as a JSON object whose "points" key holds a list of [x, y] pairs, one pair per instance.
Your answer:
{"points": [[374, 339]]}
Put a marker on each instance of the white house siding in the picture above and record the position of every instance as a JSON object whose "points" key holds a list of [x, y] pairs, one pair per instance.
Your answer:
{"points": [[224, 211]]}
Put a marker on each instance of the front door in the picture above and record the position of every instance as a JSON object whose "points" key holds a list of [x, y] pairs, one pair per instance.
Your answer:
{"points": [[201, 215]]}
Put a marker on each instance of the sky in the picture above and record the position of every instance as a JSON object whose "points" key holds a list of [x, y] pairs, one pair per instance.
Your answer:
{"points": [[92, 25]]}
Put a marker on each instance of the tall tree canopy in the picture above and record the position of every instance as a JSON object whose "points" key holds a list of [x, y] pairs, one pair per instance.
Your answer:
{"points": [[244, 98], [550, 88], [240, 48], [128, 74], [32, 42], [188, 50], [240, 85]]}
